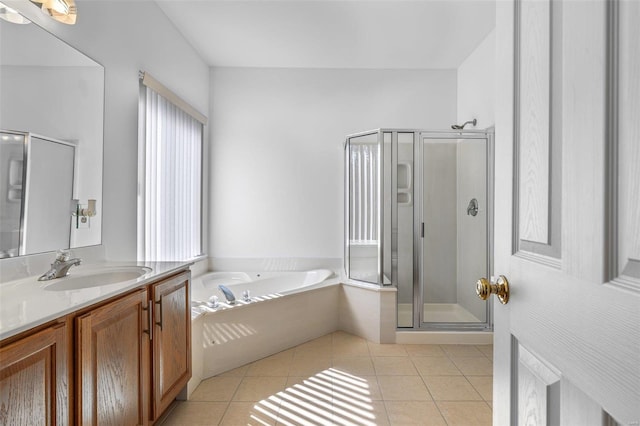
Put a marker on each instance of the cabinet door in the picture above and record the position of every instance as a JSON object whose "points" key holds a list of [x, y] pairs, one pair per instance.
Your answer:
{"points": [[34, 380], [113, 362], [171, 340]]}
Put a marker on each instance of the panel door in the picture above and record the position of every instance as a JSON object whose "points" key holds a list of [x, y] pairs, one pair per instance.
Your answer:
{"points": [[567, 344], [34, 379], [112, 363], [171, 340]]}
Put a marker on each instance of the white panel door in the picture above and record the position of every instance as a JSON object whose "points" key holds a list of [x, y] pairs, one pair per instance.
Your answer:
{"points": [[567, 212]]}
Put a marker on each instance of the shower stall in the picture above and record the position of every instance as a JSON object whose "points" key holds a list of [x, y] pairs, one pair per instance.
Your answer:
{"points": [[418, 217]]}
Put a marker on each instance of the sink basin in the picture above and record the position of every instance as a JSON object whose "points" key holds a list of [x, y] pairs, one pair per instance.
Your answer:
{"points": [[98, 278]]}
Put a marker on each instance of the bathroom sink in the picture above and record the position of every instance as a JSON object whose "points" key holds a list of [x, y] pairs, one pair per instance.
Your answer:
{"points": [[98, 278]]}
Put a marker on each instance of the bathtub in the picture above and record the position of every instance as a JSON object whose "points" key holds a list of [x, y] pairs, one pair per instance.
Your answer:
{"points": [[285, 310], [260, 285]]}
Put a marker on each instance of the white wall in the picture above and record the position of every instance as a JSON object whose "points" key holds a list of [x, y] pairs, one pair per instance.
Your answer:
{"points": [[277, 150], [476, 84], [125, 37]]}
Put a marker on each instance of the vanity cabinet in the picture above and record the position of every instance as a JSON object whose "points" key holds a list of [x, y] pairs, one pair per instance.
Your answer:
{"points": [[171, 340], [121, 361], [35, 379], [112, 362]]}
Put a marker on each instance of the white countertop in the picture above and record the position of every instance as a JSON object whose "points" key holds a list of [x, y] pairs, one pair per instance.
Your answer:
{"points": [[24, 303]]}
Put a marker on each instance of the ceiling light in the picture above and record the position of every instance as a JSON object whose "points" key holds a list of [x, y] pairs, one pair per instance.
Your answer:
{"points": [[12, 15], [61, 10]]}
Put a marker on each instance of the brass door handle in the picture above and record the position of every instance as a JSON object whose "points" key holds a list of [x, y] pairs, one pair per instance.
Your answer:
{"points": [[500, 288]]}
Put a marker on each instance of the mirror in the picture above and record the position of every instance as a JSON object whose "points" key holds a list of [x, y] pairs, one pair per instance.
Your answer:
{"points": [[51, 118]]}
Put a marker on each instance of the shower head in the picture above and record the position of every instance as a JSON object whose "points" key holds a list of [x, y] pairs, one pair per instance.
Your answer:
{"points": [[461, 126]]}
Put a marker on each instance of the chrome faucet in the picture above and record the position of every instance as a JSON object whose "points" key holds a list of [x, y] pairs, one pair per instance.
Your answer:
{"points": [[228, 294], [60, 267]]}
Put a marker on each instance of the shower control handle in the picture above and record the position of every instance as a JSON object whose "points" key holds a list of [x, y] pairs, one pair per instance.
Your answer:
{"points": [[500, 288]]}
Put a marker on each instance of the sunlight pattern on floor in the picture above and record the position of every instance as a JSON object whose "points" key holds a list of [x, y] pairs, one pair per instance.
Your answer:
{"points": [[343, 380]]}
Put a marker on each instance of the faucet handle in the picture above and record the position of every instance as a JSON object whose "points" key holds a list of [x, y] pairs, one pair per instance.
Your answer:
{"points": [[63, 255]]}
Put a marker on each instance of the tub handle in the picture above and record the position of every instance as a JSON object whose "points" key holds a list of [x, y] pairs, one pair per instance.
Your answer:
{"points": [[159, 304]]}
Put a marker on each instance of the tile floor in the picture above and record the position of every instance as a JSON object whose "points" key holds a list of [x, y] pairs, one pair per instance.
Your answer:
{"points": [[341, 379]]}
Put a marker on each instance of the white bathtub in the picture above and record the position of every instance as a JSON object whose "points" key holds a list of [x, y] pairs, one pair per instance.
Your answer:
{"points": [[286, 309], [261, 286]]}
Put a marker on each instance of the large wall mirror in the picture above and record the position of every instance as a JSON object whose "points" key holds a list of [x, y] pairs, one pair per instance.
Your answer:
{"points": [[51, 123]]}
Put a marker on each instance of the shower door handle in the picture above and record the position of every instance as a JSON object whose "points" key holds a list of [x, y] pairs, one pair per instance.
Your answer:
{"points": [[500, 288]]}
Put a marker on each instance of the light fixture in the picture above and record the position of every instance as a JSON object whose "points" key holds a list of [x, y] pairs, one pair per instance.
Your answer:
{"points": [[64, 11], [12, 15]]}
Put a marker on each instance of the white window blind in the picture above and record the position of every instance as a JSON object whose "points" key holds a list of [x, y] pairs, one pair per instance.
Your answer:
{"points": [[170, 200], [364, 193]]}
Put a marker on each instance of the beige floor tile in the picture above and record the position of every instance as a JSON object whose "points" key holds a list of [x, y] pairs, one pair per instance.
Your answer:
{"points": [[380, 417], [373, 413], [236, 372], [343, 336], [309, 365], [403, 388], [461, 350], [250, 414], [435, 366], [321, 347], [487, 350], [364, 388], [394, 366], [424, 350], [216, 389], [474, 366], [308, 389], [378, 349], [484, 386], [423, 413], [189, 413], [275, 365], [297, 408], [350, 348], [359, 366], [451, 388], [257, 388], [457, 413], [341, 379]]}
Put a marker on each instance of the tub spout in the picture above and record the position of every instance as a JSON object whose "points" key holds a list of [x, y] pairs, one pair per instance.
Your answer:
{"points": [[227, 294]]}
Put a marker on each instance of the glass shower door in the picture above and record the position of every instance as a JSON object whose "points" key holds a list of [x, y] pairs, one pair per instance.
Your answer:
{"points": [[367, 211], [455, 227]]}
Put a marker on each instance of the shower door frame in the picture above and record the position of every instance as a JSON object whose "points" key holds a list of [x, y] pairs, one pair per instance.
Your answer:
{"points": [[418, 248]]}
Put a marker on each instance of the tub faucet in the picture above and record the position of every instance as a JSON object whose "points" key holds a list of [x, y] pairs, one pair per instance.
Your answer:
{"points": [[227, 294], [60, 267]]}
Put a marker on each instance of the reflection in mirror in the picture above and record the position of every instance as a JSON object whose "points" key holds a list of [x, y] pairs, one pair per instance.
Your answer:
{"points": [[39, 180], [51, 90]]}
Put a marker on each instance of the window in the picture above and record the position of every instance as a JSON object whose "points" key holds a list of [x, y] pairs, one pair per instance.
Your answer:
{"points": [[170, 175]]}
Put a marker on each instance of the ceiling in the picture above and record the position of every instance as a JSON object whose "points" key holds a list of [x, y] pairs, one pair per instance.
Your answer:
{"points": [[375, 34]]}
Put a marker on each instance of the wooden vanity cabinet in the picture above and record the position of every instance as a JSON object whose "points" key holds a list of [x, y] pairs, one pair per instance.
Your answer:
{"points": [[129, 358], [112, 362], [171, 340], [35, 379]]}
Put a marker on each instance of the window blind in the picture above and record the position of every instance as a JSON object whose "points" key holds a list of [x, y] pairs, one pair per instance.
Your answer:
{"points": [[364, 194], [170, 203]]}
